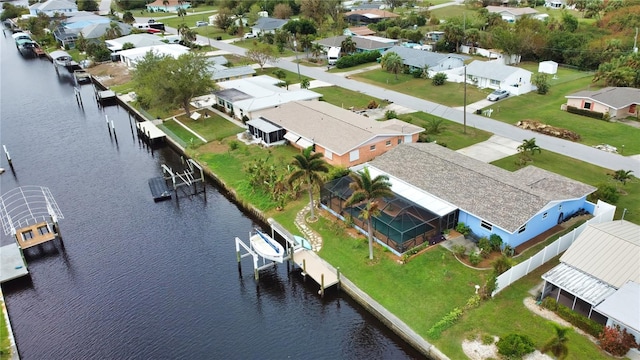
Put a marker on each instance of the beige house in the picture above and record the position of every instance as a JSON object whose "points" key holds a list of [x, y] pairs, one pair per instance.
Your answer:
{"points": [[344, 137], [618, 102]]}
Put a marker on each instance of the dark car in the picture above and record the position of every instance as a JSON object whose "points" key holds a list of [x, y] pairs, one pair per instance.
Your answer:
{"points": [[497, 95]]}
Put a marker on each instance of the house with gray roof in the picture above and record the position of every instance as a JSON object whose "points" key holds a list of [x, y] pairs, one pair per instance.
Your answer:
{"points": [[513, 14], [243, 97], [496, 75], [419, 59], [267, 25], [220, 72], [137, 40], [344, 137], [517, 206], [53, 7], [618, 102], [97, 31], [599, 275], [363, 43]]}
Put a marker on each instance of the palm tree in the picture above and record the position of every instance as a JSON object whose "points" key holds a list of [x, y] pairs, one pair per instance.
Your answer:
{"points": [[181, 12], [392, 62], [529, 146], [309, 167], [317, 50], [367, 191], [558, 344], [114, 31], [187, 33], [304, 84], [348, 46], [128, 18], [165, 3], [622, 175]]}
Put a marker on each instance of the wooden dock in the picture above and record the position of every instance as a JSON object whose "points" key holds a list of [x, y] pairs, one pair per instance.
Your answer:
{"points": [[159, 189], [34, 235], [106, 97], [12, 264], [316, 268]]}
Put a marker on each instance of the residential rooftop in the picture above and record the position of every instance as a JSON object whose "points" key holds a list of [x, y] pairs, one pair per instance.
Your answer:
{"points": [[615, 97]]}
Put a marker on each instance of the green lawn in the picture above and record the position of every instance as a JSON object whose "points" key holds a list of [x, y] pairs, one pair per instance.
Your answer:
{"points": [[190, 20], [452, 134], [345, 98], [546, 109], [291, 76], [588, 174], [449, 94], [5, 345], [184, 136], [215, 127]]}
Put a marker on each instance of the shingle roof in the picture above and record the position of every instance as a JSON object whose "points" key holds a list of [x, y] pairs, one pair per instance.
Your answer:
{"points": [[362, 42], [361, 30], [372, 13], [614, 97], [491, 70], [53, 5], [333, 127], [419, 58], [505, 199], [266, 23], [511, 10], [609, 251]]}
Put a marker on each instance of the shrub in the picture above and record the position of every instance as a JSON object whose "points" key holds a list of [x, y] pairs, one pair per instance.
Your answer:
{"points": [[435, 126], [489, 286], [444, 323], [585, 112], [463, 229], [487, 339], [233, 145], [606, 192], [474, 258], [549, 303], [502, 264], [508, 250], [582, 322], [372, 105], [616, 342], [515, 346], [390, 114], [485, 246], [439, 79], [357, 59], [496, 242], [472, 302]]}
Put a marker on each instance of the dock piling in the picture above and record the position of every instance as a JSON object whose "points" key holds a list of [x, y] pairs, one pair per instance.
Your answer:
{"points": [[322, 285], [6, 153]]}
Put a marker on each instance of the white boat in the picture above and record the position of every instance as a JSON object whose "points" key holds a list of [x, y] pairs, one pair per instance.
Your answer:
{"points": [[61, 58], [266, 247]]}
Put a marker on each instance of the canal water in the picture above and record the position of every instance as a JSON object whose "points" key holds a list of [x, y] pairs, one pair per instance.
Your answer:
{"points": [[144, 280]]}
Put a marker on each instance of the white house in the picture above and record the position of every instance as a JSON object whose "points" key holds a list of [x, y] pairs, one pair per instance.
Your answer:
{"points": [[435, 62], [52, 7], [131, 56], [242, 97], [495, 75], [511, 15], [267, 25], [167, 5], [137, 40]]}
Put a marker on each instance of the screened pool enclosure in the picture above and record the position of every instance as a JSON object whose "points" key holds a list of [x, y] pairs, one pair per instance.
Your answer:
{"points": [[401, 224]]}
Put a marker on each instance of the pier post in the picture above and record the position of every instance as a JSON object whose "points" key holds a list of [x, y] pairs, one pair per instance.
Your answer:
{"points": [[106, 118], [6, 153], [338, 273], [114, 131], [131, 125], [322, 285], [304, 268]]}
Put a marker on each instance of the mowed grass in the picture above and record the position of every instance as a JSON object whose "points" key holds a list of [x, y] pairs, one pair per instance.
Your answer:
{"points": [[215, 127], [451, 133], [588, 174], [345, 98], [506, 314], [546, 109], [449, 94]]}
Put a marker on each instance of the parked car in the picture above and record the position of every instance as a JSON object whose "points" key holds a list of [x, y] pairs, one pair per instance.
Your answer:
{"points": [[249, 35], [497, 95], [201, 23]]}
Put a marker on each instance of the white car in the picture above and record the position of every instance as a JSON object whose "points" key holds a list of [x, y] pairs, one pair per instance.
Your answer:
{"points": [[201, 23], [497, 95], [249, 35]]}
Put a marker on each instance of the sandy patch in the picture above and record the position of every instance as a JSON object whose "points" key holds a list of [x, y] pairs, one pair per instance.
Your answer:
{"points": [[111, 73], [476, 350]]}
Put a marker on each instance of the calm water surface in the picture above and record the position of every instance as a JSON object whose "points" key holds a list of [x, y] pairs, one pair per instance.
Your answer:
{"points": [[144, 280]]}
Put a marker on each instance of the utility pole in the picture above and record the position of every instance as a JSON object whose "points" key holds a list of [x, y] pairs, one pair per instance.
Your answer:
{"points": [[464, 129]]}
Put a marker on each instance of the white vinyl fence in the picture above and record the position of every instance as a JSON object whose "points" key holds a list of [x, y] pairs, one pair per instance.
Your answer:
{"points": [[603, 213]]}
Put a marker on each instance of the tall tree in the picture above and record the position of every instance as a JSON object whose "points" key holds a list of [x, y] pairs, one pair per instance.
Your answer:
{"points": [[88, 5], [453, 34], [224, 19], [314, 9], [348, 46], [282, 11], [621, 71], [558, 344], [181, 12], [317, 50], [128, 18], [261, 55], [167, 82], [309, 169], [114, 31], [392, 62], [395, 3], [367, 191]]}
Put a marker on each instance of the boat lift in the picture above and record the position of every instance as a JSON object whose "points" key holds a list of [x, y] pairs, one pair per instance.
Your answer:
{"points": [[187, 177]]}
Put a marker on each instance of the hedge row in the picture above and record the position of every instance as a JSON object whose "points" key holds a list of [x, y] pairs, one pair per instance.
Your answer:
{"points": [[357, 59], [589, 113], [582, 322]]}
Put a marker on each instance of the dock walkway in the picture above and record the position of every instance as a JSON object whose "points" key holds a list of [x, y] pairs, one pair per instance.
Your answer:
{"points": [[312, 265], [12, 265]]}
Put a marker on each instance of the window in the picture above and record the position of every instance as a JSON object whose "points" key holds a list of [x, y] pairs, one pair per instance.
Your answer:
{"points": [[486, 225], [354, 155], [522, 229], [328, 154], [544, 216], [587, 105], [372, 148], [399, 141], [388, 143], [560, 207], [494, 82]]}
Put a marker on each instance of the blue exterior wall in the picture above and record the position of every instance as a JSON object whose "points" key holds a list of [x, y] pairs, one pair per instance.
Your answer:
{"points": [[534, 227]]}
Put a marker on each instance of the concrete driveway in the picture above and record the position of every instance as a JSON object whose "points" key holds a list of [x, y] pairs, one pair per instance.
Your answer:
{"points": [[495, 148]]}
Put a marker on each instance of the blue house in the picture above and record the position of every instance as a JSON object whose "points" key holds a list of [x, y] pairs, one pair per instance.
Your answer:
{"points": [[441, 188]]}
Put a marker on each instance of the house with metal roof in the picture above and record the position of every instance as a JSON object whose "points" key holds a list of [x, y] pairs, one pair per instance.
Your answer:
{"points": [[243, 97], [342, 136], [420, 59], [517, 206], [52, 7], [618, 102], [369, 16], [358, 31], [496, 75], [267, 25], [130, 57], [599, 275]]}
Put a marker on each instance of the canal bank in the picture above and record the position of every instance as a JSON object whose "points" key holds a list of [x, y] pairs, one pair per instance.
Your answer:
{"points": [[376, 309]]}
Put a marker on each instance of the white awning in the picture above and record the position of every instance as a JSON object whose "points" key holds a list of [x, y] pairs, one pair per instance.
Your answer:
{"points": [[304, 143], [291, 137], [578, 283]]}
